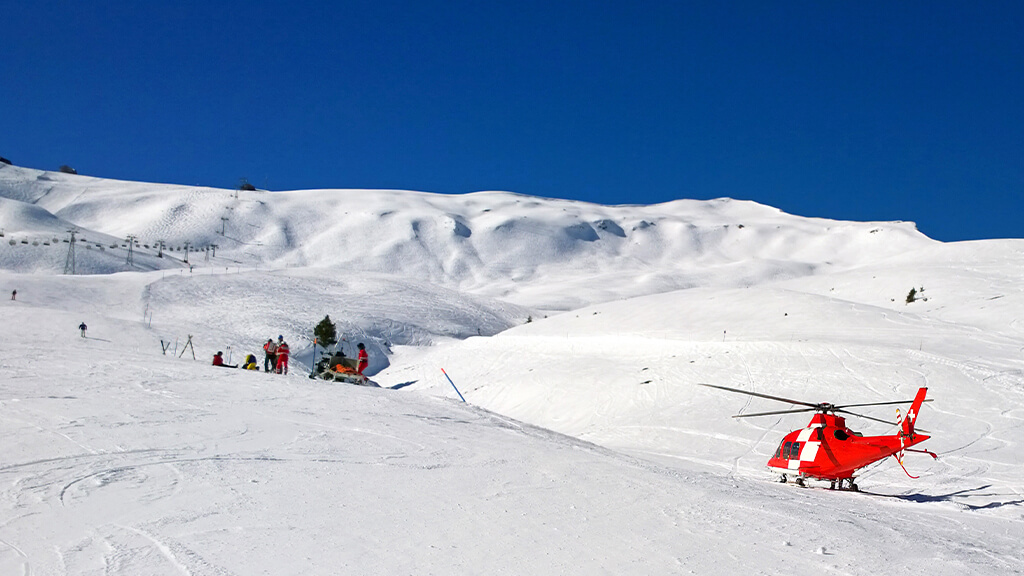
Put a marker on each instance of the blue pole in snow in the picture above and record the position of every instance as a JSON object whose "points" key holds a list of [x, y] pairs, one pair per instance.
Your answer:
{"points": [[452, 383]]}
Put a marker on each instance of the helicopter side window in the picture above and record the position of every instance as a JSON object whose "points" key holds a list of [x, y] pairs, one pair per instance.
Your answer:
{"points": [[790, 450], [841, 435]]}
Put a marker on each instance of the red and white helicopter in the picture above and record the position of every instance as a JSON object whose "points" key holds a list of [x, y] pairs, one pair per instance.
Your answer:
{"points": [[828, 450]]}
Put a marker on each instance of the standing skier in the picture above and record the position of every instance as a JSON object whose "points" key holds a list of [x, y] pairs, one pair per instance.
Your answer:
{"points": [[83, 328], [270, 358], [364, 358], [282, 357]]}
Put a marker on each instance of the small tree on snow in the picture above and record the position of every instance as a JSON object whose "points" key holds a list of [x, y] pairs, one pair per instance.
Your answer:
{"points": [[912, 296], [325, 332]]}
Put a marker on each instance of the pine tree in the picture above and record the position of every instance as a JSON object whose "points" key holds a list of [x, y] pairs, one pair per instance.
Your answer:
{"points": [[325, 332]]}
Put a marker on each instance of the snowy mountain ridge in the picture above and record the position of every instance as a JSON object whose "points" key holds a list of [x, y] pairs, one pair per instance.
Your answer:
{"points": [[488, 243]]}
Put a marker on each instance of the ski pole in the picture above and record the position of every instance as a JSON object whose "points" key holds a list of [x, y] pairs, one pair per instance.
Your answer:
{"points": [[452, 383]]}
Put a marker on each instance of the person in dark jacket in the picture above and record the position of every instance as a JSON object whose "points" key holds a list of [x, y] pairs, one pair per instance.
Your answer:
{"points": [[270, 355], [337, 358]]}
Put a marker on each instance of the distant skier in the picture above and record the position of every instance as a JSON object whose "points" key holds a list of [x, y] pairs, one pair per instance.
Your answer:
{"points": [[282, 357], [364, 359], [270, 355], [83, 328], [14, 294]]}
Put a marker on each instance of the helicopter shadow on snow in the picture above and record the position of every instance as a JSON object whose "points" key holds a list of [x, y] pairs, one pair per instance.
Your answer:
{"points": [[403, 385], [955, 497]]}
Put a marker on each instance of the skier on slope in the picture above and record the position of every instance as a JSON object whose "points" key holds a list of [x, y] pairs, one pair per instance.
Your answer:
{"points": [[83, 328]]}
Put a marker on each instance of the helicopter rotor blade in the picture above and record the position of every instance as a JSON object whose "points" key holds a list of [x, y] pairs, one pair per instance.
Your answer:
{"points": [[866, 417], [878, 403], [774, 413], [916, 429], [749, 393]]}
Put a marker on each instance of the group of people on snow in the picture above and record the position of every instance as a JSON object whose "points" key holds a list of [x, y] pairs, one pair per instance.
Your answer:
{"points": [[276, 359], [249, 364], [276, 354]]}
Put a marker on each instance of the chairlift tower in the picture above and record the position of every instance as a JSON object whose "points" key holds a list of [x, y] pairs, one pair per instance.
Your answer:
{"points": [[223, 224], [130, 260], [69, 261], [186, 252]]}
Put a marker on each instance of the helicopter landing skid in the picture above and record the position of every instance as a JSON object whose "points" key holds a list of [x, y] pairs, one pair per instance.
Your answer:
{"points": [[798, 480], [850, 485], [841, 484]]}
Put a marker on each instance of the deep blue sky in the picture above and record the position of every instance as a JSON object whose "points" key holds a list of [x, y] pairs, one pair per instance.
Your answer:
{"points": [[892, 110]]}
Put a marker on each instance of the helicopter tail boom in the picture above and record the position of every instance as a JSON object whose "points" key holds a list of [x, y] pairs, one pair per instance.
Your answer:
{"points": [[908, 422]]}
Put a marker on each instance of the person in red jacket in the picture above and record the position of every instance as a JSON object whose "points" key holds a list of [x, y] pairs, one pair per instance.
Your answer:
{"points": [[218, 360], [364, 358], [282, 357]]}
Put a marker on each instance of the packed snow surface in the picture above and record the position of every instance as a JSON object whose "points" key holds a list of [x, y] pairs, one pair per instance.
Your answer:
{"points": [[577, 334]]}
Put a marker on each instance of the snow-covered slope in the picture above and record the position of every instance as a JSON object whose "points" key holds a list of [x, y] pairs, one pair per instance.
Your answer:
{"points": [[585, 445], [118, 460]]}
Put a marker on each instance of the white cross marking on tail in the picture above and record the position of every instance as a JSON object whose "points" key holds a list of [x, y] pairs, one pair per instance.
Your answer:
{"points": [[910, 415]]}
